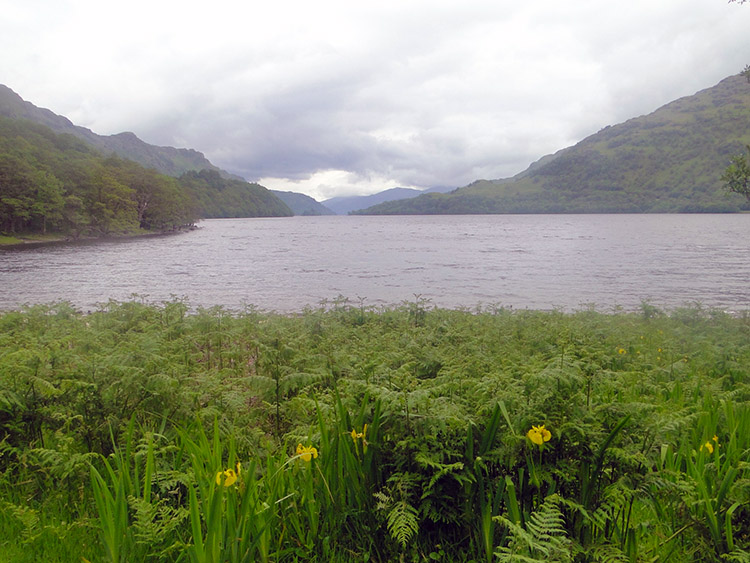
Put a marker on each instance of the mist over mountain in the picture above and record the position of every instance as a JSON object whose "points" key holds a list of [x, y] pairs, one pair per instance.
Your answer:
{"points": [[668, 161]]}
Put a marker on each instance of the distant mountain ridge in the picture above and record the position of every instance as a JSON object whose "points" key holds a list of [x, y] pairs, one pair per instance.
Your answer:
{"points": [[302, 204], [670, 160], [167, 160], [347, 204]]}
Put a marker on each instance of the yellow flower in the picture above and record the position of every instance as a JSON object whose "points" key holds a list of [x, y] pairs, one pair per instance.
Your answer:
{"points": [[359, 435], [307, 453], [709, 446], [622, 351], [227, 477], [715, 438], [539, 435]]}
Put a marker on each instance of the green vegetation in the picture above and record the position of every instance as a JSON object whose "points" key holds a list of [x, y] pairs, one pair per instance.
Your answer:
{"points": [[167, 160], [51, 182], [57, 183], [220, 197], [149, 433], [668, 161], [302, 204], [737, 175]]}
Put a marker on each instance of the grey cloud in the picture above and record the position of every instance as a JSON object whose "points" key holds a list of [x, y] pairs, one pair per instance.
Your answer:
{"points": [[422, 93]]}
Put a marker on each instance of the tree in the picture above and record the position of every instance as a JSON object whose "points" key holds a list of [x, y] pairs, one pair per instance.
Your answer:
{"points": [[737, 175], [49, 200]]}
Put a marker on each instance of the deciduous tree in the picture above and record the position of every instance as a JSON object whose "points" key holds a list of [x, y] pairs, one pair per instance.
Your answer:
{"points": [[737, 175]]}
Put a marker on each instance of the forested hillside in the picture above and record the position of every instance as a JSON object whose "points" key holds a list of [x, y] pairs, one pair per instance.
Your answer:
{"points": [[219, 197], [56, 182], [668, 161]]}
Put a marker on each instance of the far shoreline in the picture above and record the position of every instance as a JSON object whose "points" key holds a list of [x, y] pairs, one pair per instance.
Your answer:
{"points": [[21, 242]]}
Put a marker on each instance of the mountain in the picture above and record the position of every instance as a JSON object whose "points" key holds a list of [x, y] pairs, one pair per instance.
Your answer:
{"points": [[219, 197], [668, 161], [167, 160], [57, 184], [212, 192], [346, 204], [302, 204]]}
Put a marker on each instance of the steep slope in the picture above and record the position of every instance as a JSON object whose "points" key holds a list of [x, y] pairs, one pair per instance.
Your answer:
{"points": [[302, 204], [668, 161], [167, 160], [56, 183], [213, 192], [218, 197]]}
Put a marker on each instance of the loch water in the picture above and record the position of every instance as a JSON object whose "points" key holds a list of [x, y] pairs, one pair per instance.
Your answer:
{"points": [[567, 262]]}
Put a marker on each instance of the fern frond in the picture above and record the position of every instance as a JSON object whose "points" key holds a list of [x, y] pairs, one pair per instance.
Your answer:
{"points": [[544, 538], [383, 500], [608, 553], [738, 556], [153, 522], [402, 522]]}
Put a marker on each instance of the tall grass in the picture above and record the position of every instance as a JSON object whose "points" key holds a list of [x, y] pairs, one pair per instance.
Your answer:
{"points": [[144, 433]]}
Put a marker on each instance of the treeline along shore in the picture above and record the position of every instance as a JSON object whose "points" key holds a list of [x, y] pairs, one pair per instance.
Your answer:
{"points": [[143, 432], [56, 185]]}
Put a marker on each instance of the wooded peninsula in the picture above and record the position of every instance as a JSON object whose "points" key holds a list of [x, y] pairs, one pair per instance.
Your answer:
{"points": [[57, 183]]}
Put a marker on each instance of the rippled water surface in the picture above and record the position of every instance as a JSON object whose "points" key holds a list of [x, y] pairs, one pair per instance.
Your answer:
{"points": [[524, 261]]}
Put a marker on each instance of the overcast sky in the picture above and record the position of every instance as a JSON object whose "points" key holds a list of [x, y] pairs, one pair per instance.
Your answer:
{"points": [[337, 98]]}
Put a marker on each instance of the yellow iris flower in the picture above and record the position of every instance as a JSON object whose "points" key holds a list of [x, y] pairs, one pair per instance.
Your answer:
{"points": [[709, 446], [228, 477], [539, 435], [307, 453], [359, 435]]}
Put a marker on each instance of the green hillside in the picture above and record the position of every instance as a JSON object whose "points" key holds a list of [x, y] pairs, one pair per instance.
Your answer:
{"points": [[57, 183], [216, 197], [666, 162], [302, 204], [167, 160]]}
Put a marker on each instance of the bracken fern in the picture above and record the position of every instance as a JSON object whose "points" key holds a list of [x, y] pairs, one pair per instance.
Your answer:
{"points": [[542, 539]]}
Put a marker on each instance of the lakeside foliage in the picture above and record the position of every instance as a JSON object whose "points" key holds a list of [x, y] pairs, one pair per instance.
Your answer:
{"points": [[148, 433], [57, 183], [53, 182]]}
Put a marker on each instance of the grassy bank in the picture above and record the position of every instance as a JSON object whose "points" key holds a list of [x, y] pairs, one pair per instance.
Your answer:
{"points": [[144, 433]]}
